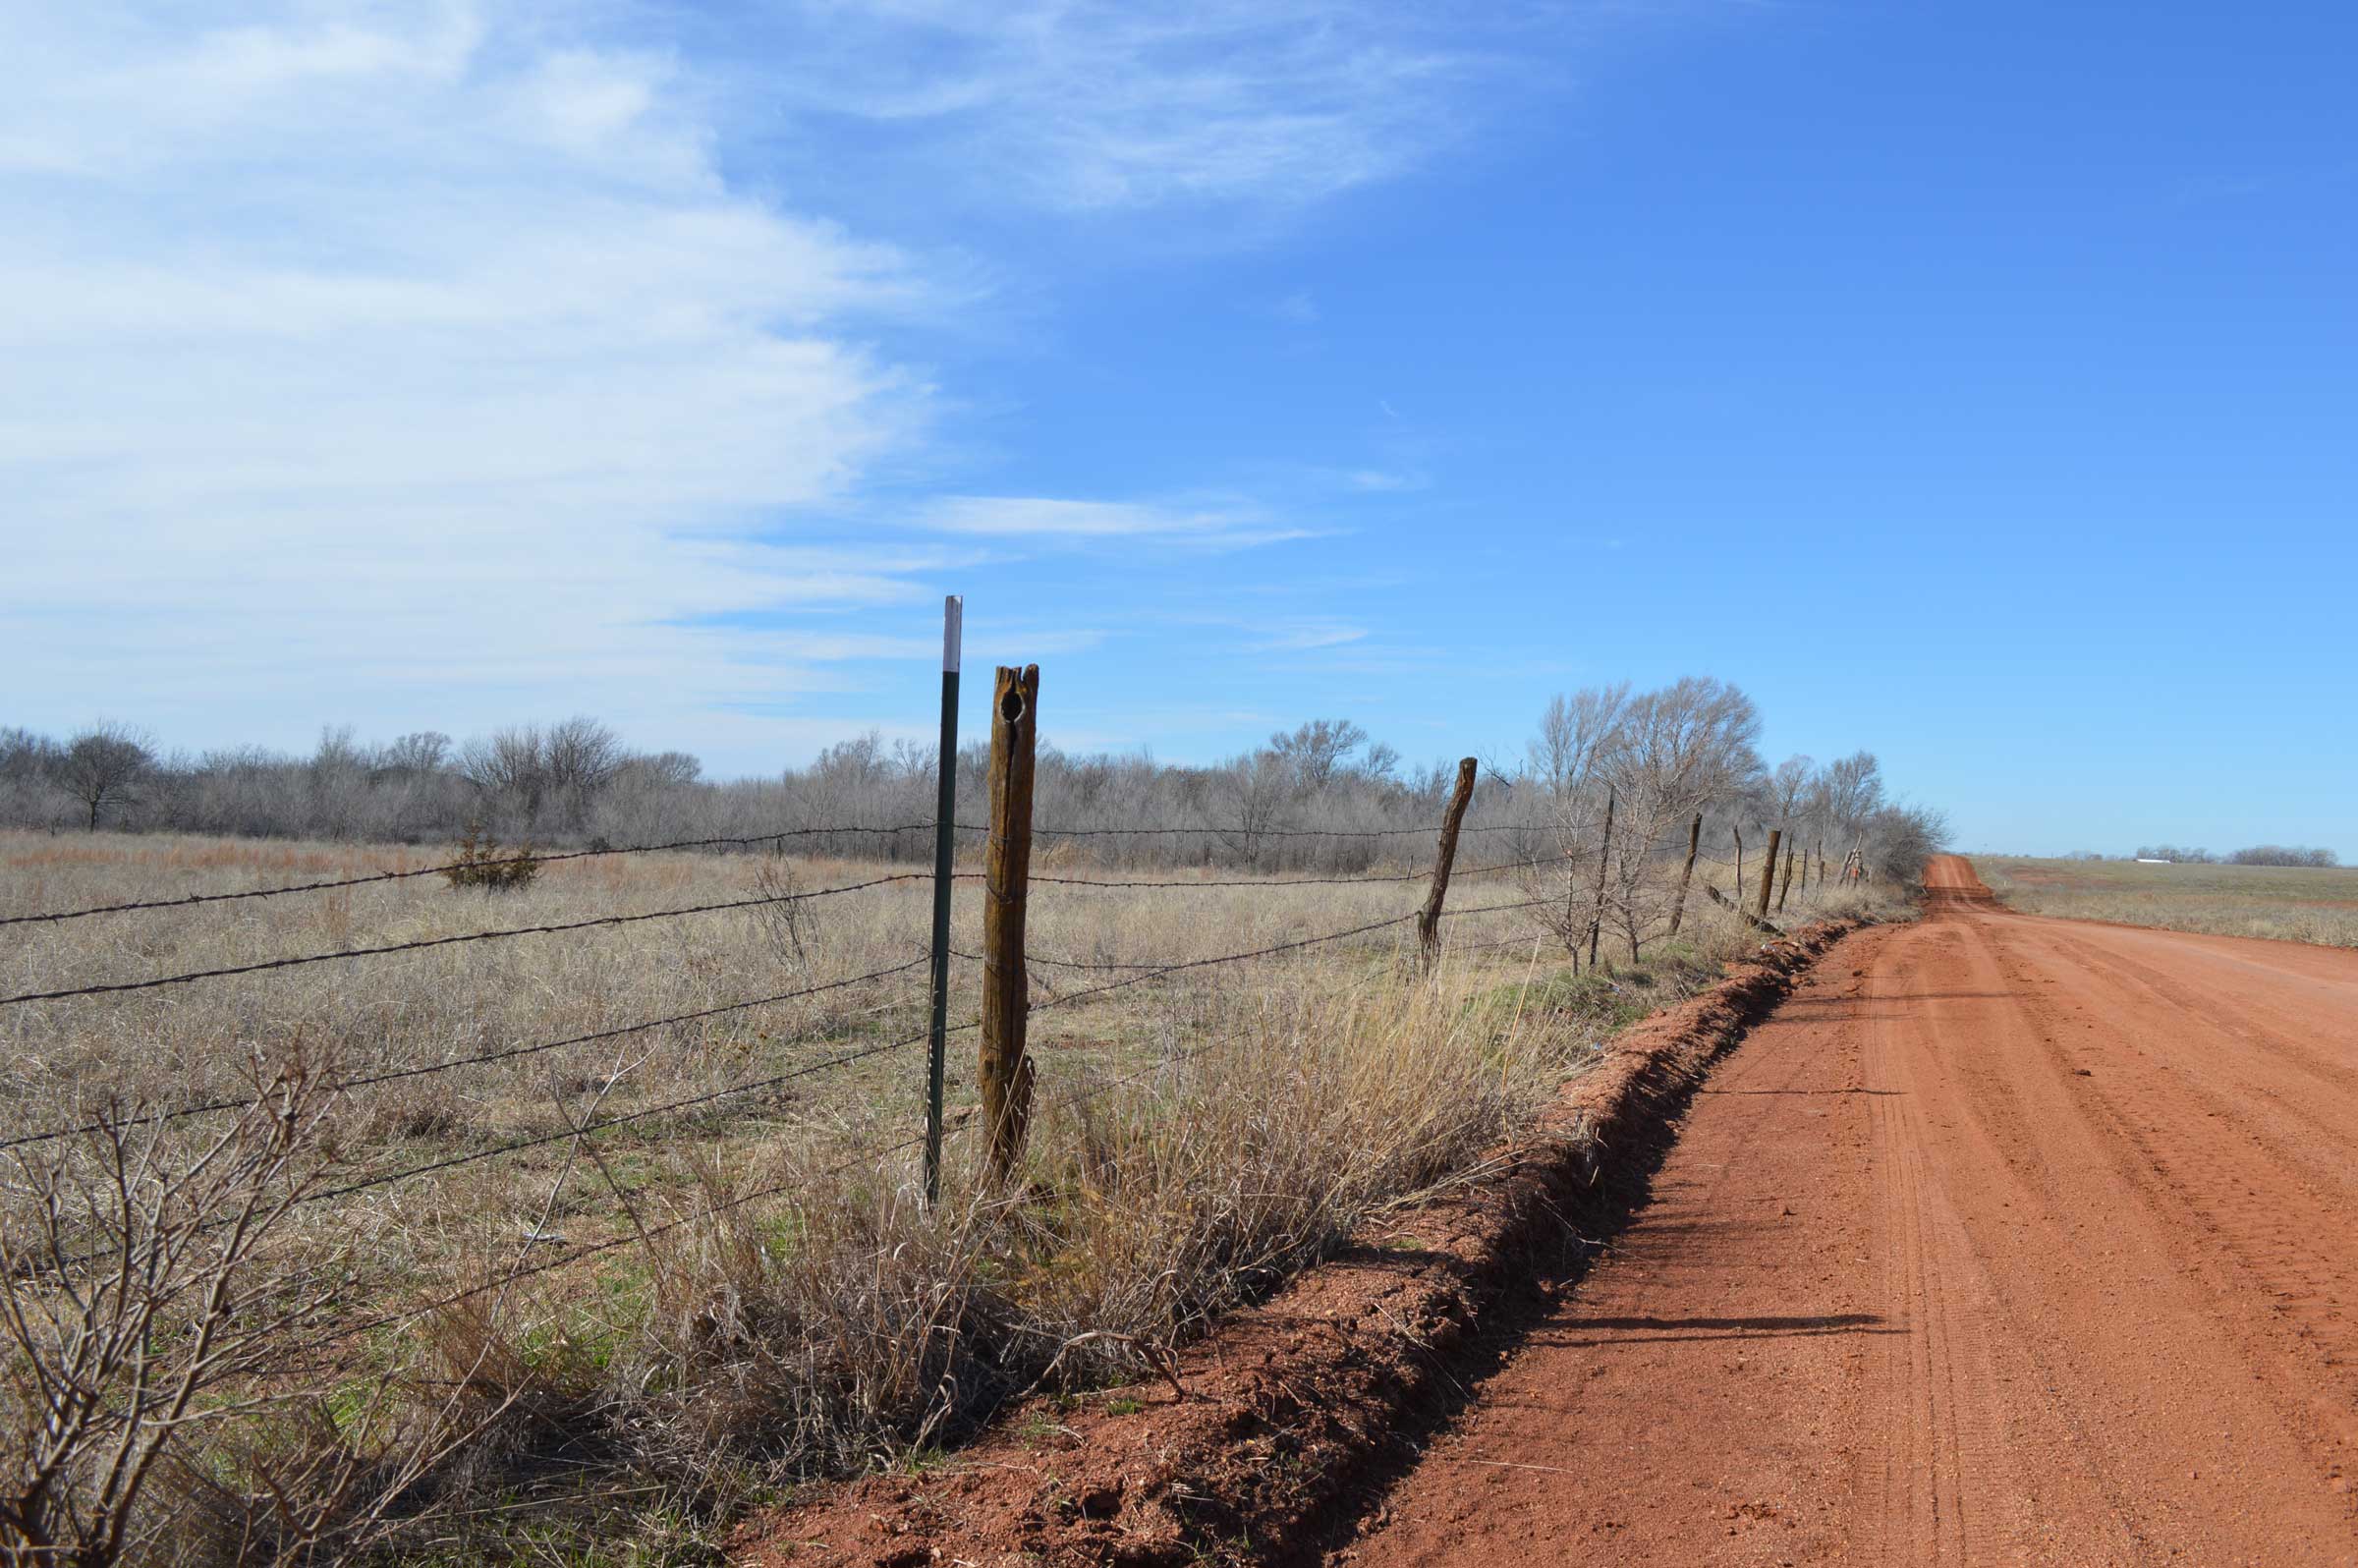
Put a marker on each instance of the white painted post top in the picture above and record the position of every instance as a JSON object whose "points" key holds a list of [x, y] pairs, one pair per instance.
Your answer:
{"points": [[953, 630]]}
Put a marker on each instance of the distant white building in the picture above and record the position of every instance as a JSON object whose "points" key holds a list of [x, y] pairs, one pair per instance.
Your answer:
{"points": [[2144, 860]]}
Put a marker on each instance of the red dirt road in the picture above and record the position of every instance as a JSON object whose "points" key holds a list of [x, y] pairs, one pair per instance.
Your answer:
{"points": [[2005, 1240]]}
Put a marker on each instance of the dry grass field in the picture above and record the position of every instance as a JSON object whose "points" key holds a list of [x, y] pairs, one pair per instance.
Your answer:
{"points": [[700, 1263], [2294, 904]]}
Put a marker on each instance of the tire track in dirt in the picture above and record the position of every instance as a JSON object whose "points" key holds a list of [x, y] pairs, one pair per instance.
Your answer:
{"points": [[2005, 1240]]}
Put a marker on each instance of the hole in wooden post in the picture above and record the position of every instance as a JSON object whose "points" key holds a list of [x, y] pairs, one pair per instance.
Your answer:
{"points": [[1011, 707]]}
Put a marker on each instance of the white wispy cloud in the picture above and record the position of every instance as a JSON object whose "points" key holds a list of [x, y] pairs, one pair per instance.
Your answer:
{"points": [[1307, 634], [1233, 525], [1111, 105]]}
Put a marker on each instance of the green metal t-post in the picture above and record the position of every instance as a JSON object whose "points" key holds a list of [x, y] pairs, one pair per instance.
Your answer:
{"points": [[945, 831]]}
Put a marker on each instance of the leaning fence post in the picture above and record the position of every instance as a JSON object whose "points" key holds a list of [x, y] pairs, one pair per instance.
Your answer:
{"points": [[1006, 1073], [1738, 830], [1678, 910], [1768, 872], [1604, 853], [1429, 923], [1786, 886], [945, 828]]}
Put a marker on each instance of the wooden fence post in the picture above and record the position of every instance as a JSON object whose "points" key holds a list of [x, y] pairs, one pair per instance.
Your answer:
{"points": [[1739, 832], [1604, 853], [1786, 886], [1006, 1073], [1429, 923], [1769, 873], [1739, 911], [1678, 910]]}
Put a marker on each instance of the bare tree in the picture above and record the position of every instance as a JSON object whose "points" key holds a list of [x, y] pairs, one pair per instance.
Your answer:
{"points": [[1566, 770], [1256, 788], [581, 754], [421, 752], [1318, 751], [1676, 750], [1851, 787], [104, 766], [508, 769], [1574, 731], [1791, 788]]}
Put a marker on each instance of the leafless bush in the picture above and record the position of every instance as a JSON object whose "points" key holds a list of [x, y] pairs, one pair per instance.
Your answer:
{"points": [[789, 921], [147, 1301]]}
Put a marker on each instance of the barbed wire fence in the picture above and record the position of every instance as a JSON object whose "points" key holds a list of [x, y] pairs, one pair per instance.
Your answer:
{"points": [[1004, 1081]]}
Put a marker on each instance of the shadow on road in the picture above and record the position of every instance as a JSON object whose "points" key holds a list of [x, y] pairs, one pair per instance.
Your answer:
{"points": [[1678, 1330]]}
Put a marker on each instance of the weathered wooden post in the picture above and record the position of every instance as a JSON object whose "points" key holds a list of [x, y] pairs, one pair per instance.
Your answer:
{"points": [[1739, 832], [1786, 886], [1769, 873], [1604, 853], [1006, 1073], [1678, 910], [1429, 923]]}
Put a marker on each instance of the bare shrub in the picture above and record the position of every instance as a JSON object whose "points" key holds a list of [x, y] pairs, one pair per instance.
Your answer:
{"points": [[147, 1301], [789, 921]]}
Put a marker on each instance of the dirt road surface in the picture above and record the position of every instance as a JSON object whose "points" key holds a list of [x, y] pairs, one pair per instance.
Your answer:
{"points": [[2005, 1241]]}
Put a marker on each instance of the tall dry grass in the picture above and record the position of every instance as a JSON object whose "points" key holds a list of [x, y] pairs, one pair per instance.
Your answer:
{"points": [[759, 1296]]}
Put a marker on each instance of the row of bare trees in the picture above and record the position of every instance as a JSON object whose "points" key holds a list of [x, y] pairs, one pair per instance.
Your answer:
{"points": [[1319, 797], [547, 781], [577, 782], [1631, 784], [2290, 855]]}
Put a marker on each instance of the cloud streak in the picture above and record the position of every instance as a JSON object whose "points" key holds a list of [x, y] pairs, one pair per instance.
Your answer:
{"points": [[1110, 106], [1049, 519]]}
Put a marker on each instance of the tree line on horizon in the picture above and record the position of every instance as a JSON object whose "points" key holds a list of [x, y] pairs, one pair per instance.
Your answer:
{"points": [[2256, 854], [1664, 757]]}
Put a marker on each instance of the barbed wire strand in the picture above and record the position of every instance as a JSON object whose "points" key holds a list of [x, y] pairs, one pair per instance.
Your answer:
{"points": [[1267, 832], [552, 859], [1282, 947], [614, 1244], [429, 1167], [1294, 881], [684, 1102], [498, 934], [345, 1086]]}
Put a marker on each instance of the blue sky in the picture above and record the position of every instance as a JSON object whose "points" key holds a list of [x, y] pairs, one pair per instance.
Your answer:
{"points": [[1969, 383]]}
